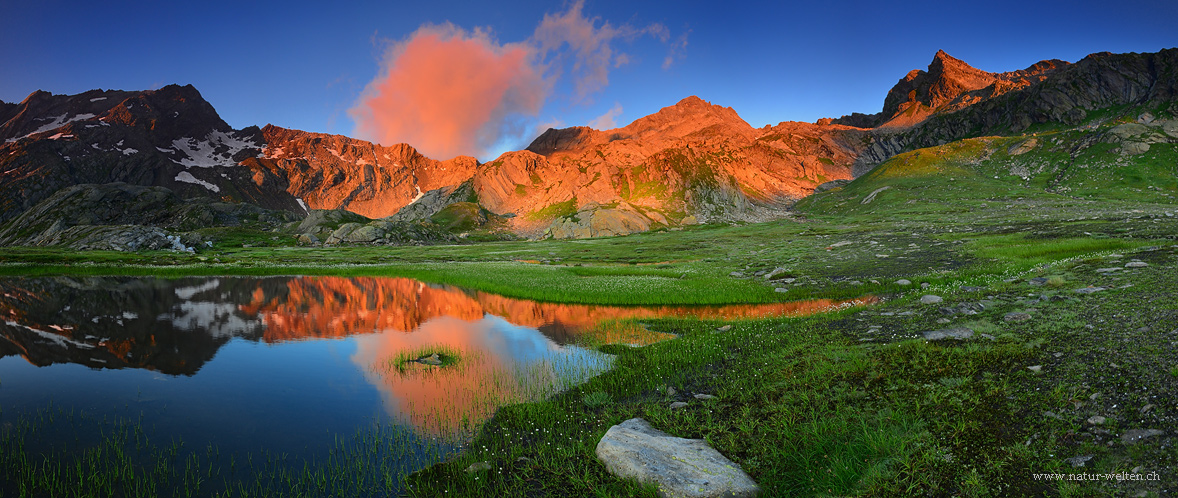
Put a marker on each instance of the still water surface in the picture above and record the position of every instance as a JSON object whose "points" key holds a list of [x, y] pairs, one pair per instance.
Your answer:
{"points": [[287, 364]]}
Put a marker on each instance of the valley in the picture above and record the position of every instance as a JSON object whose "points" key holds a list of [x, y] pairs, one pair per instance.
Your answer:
{"points": [[994, 254]]}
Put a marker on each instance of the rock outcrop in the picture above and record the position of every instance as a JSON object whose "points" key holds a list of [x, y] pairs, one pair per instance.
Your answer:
{"points": [[680, 467], [123, 217]]}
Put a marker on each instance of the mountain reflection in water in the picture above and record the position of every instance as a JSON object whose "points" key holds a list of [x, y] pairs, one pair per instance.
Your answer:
{"points": [[508, 349]]}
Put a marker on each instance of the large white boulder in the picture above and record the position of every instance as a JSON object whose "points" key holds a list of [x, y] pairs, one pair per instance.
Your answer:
{"points": [[681, 467]]}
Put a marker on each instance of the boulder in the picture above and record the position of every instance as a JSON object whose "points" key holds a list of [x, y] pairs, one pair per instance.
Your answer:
{"points": [[960, 333], [680, 467], [596, 221]]}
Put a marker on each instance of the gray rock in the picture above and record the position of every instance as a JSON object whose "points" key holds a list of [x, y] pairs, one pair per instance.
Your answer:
{"points": [[776, 271], [1136, 264], [960, 333], [704, 396], [342, 232], [925, 285], [308, 239], [478, 467], [364, 234], [1096, 420], [725, 328], [736, 274], [930, 299], [1089, 290], [780, 289], [677, 405], [903, 281], [871, 197], [680, 467], [1035, 368], [1079, 461], [1133, 436], [432, 359], [1016, 317]]}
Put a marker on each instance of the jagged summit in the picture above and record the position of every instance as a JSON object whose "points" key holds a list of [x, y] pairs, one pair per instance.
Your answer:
{"points": [[947, 85]]}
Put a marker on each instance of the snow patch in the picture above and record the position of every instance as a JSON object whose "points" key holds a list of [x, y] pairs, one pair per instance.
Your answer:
{"points": [[216, 149], [336, 154], [187, 177], [186, 293], [57, 122], [420, 194], [59, 340], [56, 136], [302, 204], [96, 99], [165, 151], [218, 319], [128, 151]]}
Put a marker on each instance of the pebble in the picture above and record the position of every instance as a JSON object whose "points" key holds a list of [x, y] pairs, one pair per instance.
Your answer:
{"points": [[725, 328], [925, 285], [930, 299], [1089, 290], [1079, 461], [704, 396], [677, 405], [904, 282], [1035, 368], [780, 289], [1136, 264], [943, 320], [1096, 420]]}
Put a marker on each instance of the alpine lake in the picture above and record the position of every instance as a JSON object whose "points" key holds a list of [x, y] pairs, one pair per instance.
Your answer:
{"points": [[234, 385]]}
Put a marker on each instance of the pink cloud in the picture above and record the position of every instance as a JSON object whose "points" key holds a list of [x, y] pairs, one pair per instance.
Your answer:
{"points": [[448, 92]]}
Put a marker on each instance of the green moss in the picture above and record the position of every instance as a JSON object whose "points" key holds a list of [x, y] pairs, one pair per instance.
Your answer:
{"points": [[558, 210], [460, 216]]}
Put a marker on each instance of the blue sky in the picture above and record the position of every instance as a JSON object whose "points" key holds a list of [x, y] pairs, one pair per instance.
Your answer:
{"points": [[303, 65]]}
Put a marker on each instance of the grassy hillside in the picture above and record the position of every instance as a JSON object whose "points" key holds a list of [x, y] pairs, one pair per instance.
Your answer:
{"points": [[1058, 252]]}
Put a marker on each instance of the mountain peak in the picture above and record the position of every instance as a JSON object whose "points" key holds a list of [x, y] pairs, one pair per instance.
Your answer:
{"points": [[685, 117]]}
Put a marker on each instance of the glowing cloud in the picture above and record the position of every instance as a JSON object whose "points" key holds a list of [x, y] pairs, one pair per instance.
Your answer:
{"points": [[448, 91]]}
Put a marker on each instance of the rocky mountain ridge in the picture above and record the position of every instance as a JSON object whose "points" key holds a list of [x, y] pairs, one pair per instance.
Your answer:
{"points": [[689, 162]]}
